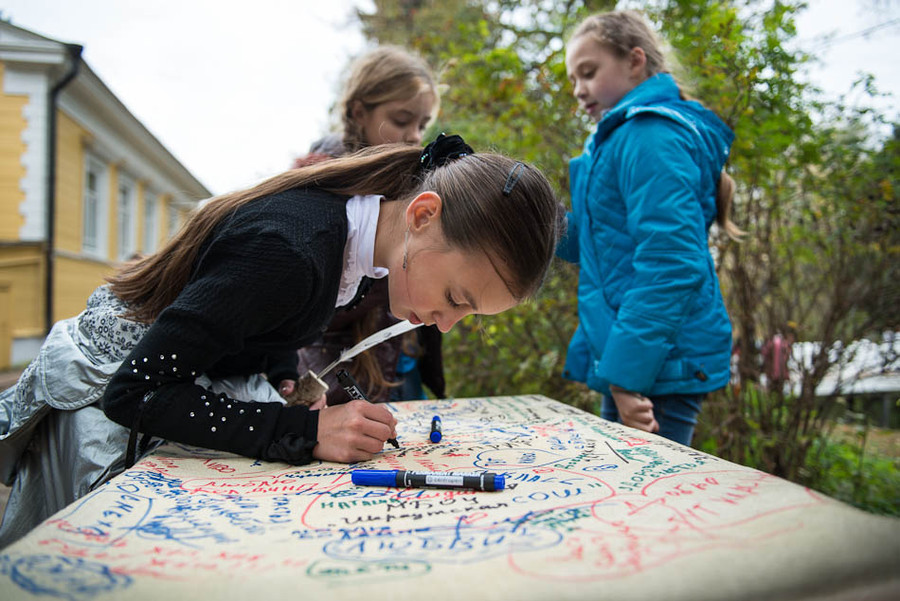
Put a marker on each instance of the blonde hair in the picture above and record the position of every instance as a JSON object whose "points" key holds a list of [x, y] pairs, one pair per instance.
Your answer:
{"points": [[385, 74], [624, 30]]}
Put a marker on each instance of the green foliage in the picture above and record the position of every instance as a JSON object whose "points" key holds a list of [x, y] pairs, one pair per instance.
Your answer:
{"points": [[846, 472], [520, 351], [760, 428], [754, 428]]}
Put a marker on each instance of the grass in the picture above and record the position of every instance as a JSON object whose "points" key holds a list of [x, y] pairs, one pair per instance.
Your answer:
{"points": [[859, 465]]}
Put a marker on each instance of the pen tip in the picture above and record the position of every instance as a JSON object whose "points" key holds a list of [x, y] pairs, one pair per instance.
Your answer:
{"points": [[394, 442]]}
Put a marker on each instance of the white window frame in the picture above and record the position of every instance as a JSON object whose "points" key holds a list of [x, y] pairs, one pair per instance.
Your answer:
{"points": [[94, 208], [172, 221], [151, 221], [126, 219]]}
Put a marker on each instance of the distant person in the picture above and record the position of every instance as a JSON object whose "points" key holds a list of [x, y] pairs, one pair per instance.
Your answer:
{"points": [[775, 355], [653, 334], [173, 347], [735, 368], [391, 96]]}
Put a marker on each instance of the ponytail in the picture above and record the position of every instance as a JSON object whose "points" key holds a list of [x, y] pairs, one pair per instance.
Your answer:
{"points": [[150, 284], [724, 200]]}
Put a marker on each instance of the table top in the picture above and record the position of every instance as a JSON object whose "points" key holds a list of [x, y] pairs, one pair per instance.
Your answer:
{"points": [[592, 510]]}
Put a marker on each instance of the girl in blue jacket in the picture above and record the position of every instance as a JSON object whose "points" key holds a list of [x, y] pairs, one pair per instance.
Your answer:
{"points": [[653, 334]]}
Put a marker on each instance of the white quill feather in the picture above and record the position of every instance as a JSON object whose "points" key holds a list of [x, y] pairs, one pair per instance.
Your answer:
{"points": [[367, 343]]}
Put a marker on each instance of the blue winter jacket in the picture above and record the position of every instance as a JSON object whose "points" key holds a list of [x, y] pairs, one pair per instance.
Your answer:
{"points": [[651, 315]]}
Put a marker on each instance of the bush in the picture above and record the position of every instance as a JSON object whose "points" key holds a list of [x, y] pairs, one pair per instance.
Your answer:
{"points": [[849, 472], [757, 429]]}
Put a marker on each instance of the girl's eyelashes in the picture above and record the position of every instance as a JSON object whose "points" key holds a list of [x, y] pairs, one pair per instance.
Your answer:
{"points": [[453, 304], [584, 75]]}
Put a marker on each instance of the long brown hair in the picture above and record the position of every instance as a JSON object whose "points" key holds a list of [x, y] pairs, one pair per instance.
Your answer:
{"points": [[518, 232], [620, 32]]}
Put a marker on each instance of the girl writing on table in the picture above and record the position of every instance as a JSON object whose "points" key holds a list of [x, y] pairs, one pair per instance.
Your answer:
{"points": [[654, 336], [253, 276]]}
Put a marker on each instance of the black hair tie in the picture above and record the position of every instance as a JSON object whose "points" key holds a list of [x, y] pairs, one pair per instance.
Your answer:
{"points": [[442, 150]]}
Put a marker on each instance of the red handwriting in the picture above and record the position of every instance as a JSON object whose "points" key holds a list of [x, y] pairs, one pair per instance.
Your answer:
{"points": [[219, 467], [672, 517]]}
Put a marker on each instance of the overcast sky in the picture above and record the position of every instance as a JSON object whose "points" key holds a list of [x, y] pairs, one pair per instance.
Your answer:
{"points": [[236, 90]]}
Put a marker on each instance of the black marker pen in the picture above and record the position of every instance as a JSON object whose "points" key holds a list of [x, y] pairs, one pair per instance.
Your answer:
{"points": [[349, 384], [488, 481]]}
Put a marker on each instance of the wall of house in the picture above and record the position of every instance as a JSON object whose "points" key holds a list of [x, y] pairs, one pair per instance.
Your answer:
{"points": [[69, 183], [22, 277], [12, 148], [75, 275], [76, 279], [21, 263]]}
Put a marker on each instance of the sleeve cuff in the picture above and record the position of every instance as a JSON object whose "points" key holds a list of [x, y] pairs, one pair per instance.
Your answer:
{"points": [[291, 446]]}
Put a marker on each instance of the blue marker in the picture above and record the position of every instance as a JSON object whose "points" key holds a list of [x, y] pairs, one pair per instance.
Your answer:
{"points": [[435, 429], [487, 481]]}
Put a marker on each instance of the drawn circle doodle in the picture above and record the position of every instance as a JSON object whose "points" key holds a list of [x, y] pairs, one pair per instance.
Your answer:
{"points": [[513, 459], [366, 571], [64, 577]]}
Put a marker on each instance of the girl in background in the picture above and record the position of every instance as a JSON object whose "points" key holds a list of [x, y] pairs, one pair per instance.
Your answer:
{"points": [[654, 336], [390, 96]]}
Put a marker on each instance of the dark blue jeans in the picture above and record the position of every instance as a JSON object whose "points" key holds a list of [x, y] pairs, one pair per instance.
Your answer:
{"points": [[411, 389], [675, 413]]}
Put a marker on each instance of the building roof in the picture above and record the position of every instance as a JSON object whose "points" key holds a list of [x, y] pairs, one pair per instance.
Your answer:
{"points": [[87, 95], [863, 367]]}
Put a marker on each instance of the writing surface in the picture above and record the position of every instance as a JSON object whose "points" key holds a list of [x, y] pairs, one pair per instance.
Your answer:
{"points": [[592, 509]]}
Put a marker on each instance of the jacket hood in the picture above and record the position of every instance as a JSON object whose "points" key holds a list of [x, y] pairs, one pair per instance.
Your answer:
{"points": [[660, 94]]}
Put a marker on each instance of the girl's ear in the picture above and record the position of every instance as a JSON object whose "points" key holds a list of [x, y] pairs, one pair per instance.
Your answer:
{"points": [[424, 210], [637, 63], [358, 111]]}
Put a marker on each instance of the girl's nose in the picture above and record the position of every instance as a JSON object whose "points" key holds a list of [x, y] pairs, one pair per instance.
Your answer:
{"points": [[578, 90], [446, 320], [414, 136]]}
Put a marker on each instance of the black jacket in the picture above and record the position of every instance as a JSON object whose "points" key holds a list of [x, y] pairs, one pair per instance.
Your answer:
{"points": [[264, 284]]}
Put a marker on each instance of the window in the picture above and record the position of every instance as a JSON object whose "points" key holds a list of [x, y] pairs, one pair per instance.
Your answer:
{"points": [[91, 198], [93, 218], [173, 221], [125, 219], [150, 222]]}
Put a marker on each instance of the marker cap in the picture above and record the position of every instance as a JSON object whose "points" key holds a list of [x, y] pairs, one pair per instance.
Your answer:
{"points": [[374, 477], [435, 435]]}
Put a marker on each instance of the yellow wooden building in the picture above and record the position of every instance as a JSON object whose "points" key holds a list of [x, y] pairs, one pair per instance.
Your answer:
{"points": [[83, 186]]}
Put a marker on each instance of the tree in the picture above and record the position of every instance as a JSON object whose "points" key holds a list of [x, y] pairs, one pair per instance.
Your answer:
{"points": [[816, 198]]}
